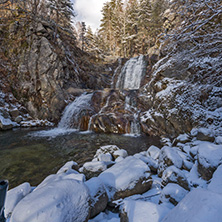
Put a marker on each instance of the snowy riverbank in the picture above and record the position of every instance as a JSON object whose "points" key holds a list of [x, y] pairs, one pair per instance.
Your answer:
{"points": [[180, 181]]}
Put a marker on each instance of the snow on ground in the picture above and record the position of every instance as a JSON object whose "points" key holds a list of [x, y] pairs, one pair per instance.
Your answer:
{"points": [[216, 182], [199, 205]]}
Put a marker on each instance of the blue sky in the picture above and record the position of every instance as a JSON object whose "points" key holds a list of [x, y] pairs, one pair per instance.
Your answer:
{"points": [[89, 11]]}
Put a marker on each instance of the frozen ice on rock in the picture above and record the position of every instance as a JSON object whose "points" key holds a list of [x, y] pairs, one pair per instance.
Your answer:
{"points": [[14, 196], [125, 178], [209, 158], [153, 152], [118, 159], [142, 211], [99, 198], [173, 192], [199, 205], [65, 200], [216, 181]]}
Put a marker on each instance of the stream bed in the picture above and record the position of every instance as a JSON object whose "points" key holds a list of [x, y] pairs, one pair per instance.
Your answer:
{"points": [[28, 156]]}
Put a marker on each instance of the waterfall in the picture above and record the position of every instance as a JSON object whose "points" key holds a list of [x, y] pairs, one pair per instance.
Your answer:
{"points": [[73, 111], [132, 73]]}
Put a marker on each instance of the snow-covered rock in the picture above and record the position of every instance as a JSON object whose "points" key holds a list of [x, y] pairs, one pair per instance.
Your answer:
{"points": [[153, 152], [93, 168], [173, 193], [106, 216], [174, 175], [106, 149], [216, 181], [218, 140], [125, 178], [66, 200], [69, 167], [168, 157], [14, 196], [199, 205], [142, 211], [105, 157], [209, 158], [120, 153], [99, 198]]}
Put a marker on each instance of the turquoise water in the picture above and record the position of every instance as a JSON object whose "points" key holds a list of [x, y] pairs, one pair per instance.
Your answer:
{"points": [[27, 155]]}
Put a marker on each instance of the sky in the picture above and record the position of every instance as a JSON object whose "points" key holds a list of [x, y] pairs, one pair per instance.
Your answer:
{"points": [[89, 11]]}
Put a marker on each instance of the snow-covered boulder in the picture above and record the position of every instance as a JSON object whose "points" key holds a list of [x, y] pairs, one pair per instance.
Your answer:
{"points": [[168, 157], [105, 157], [14, 196], [174, 175], [106, 149], [218, 140], [209, 158], [153, 152], [125, 178], [216, 181], [69, 167], [173, 193], [66, 200], [199, 205], [120, 153], [142, 211], [93, 168], [99, 198]]}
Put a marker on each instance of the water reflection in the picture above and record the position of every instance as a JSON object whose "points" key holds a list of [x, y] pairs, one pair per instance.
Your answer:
{"points": [[27, 156]]}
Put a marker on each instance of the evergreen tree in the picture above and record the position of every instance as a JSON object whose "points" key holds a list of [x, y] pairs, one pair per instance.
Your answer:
{"points": [[62, 11]]}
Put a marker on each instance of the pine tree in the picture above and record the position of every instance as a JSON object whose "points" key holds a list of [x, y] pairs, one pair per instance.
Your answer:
{"points": [[62, 11]]}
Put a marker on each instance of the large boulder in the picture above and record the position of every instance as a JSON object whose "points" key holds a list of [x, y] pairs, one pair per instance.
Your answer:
{"points": [[173, 193], [14, 196], [216, 181], [175, 175], [168, 157], [127, 177], [142, 211], [64, 200], [209, 157], [199, 205], [99, 197]]}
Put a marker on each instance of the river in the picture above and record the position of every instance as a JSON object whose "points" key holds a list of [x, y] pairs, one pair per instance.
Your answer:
{"points": [[25, 156]]}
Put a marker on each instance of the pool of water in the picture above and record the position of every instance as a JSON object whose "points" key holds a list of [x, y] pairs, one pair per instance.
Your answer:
{"points": [[31, 155]]}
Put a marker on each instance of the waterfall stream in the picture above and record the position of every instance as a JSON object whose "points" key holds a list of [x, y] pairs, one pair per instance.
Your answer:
{"points": [[72, 112], [132, 73]]}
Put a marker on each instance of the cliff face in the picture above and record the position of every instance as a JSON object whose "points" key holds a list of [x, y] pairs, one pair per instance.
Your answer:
{"points": [[48, 70]]}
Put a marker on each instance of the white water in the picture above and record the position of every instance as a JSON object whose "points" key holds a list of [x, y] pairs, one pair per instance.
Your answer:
{"points": [[132, 73], [70, 116], [73, 110]]}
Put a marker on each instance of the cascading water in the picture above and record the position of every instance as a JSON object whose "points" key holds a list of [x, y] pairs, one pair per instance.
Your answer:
{"points": [[130, 78], [132, 73], [73, 111], [70, 119]]}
